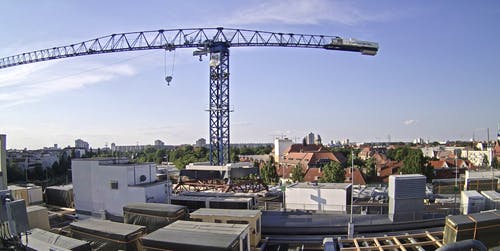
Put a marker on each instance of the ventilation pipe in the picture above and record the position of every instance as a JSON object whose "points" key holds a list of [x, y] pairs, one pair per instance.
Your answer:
{"points": [[464, 245]]}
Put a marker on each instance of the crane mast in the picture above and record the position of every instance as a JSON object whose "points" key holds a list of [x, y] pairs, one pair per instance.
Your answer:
{"points": [[213, 41]]}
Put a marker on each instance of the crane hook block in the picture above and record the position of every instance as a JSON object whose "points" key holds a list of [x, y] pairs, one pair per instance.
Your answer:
{"points": [[168, 79]]}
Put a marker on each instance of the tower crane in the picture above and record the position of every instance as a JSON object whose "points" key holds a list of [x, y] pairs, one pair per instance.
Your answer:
{"points": [[214, 42]]}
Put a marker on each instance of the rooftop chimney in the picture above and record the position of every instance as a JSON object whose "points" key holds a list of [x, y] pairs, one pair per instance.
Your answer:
{"points": [[3, 162]]}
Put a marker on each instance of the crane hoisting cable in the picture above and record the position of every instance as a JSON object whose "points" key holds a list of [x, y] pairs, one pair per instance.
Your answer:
{"points": [[169, 78]]}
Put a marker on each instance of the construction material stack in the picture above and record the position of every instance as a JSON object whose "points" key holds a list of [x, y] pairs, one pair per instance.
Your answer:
{"points": [[479, 226]]}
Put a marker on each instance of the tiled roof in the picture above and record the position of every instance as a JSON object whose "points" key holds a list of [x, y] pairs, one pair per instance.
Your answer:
{"points": [[438, 164], [305, 148], [358, 176]]}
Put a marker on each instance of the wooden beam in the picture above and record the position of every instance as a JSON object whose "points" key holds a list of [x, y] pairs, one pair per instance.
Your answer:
{"points": [[438, 243], [395, 239], [378, 244]]}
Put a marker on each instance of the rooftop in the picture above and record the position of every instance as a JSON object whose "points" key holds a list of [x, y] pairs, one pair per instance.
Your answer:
{"points": [[320, 185], [226, 212]]}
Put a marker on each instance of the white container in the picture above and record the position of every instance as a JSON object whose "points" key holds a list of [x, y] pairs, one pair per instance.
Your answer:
{"points": [[492, 199], [472, 202], [332, 197]]}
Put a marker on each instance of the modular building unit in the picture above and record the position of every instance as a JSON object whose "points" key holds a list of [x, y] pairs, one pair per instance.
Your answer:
{"points": [[38, 217], [40, 239], [471, 202], [447, 186], [254, 197], [406, 197], [106, 235], [190, 235], [197, 202], [238, 216], [333, 197], [31, 194], [60, 196], [479, 226], [153, 215], [104, 185], [492, 199]]}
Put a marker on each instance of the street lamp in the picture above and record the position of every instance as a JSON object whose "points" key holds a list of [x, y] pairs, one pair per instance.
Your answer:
{"points": [[350, 226], [456, 186]]}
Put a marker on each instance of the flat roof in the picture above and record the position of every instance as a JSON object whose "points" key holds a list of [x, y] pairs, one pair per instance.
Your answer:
{"points": [[211, 198], [406, 176], [320, 185], [243, 213], [186, 239], [104, 226], [471, 192], [492, 195], [219, 228]]}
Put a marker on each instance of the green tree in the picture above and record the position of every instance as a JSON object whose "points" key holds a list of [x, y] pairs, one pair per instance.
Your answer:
{"points": [[14, 173], [268, 172], [297, 173], [415, 163], [494, 163], [333, 172], [371, 168], [486, 162]]}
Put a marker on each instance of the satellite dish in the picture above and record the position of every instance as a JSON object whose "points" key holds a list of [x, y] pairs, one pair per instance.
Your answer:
{"points": [[168, 79]]}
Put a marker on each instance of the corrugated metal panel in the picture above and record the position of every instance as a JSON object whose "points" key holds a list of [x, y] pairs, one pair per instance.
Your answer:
{"points": [[407, 186]]}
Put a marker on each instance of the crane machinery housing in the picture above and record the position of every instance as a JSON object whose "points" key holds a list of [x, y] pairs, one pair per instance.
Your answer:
{"points": [[214, 42]]}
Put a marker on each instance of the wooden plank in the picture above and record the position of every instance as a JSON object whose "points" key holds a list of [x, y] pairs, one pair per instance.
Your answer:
{"points": [[356, 243], [395, 239], [438, 243], [378, 244]]}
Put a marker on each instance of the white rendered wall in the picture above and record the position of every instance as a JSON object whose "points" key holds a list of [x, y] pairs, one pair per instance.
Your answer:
{"points": [[93, 192], [316, 199]]}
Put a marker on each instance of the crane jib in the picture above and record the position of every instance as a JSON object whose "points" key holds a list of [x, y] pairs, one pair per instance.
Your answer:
{"points": [[213, 41]]}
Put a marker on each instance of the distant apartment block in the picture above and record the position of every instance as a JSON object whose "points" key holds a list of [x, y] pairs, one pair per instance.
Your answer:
{"points": [[79, 143], [29, 159], [201, 143], [280, 147], [103, 186], [158, 144]]}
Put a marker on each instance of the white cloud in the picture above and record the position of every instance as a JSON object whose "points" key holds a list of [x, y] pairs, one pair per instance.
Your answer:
{"points": [[304, 12], [30, 83], [410, 122]]}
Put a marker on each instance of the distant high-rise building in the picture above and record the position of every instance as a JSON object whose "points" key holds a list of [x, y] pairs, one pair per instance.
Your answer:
{"points": [[345, 142], [317, 140], [201, 143], [79, 143], [309, 139], [280, 147], [159, 143]]}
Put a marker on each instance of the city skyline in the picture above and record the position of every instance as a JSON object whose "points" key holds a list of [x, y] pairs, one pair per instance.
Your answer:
{"points": [[434, 78]]}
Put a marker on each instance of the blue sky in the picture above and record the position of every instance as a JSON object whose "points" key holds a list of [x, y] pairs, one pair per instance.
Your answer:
{"points": [[436, 75]]}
